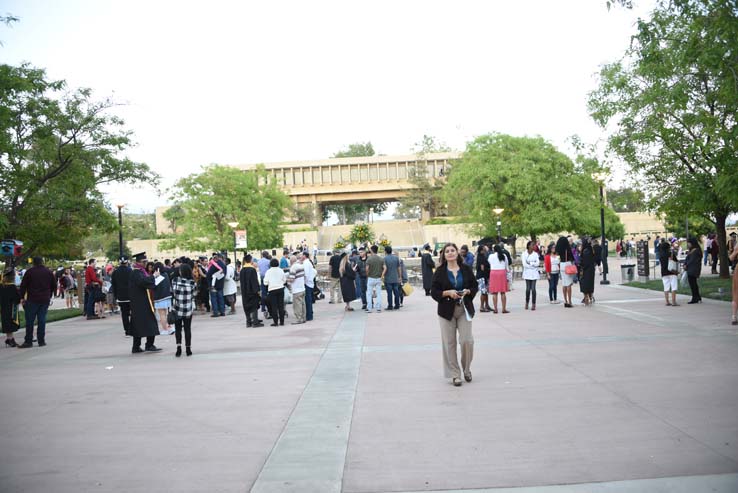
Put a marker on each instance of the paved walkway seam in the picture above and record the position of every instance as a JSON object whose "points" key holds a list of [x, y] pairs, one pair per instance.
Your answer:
{"points": [[310, 454]]}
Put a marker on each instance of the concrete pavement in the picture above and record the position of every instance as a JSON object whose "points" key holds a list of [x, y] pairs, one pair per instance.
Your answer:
{"points": [[629, 395]]}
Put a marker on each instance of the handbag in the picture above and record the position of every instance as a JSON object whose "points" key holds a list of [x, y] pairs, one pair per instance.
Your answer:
{"points": [[171, 317], [407, 289], [673, 266], [570, 269]]}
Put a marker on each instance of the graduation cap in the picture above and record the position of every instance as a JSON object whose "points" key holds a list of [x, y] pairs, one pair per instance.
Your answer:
{"points": [[140, 256], [123, 259]]}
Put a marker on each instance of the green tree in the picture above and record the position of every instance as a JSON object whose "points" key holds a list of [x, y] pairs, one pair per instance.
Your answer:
{"points": [[56, 148], [627, 199], [104, 241], [351, 213], [698, 225], [219, 195], [426, 193], [541, 190], [674, 97], [359, 149]]}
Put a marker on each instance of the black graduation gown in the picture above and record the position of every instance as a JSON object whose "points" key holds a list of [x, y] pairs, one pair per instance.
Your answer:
{"points": [[9, 299], [427, 264], [348, 286], [587, 271], [143, 320], [250, 289]]}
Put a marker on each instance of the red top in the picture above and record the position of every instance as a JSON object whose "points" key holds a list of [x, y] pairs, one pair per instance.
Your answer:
{"points": [[91, 276], [547, 262]]}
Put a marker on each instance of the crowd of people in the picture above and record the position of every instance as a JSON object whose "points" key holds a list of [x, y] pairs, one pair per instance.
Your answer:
{"points": [[160, 298]]}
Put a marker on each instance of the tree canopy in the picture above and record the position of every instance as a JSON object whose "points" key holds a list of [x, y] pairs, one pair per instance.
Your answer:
{"points": [[350, 213], [627, 199], [56, 148], [207, 201], [426, 194], [540, 189], [674, 99]]}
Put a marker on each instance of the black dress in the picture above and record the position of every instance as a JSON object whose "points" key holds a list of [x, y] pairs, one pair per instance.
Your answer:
{"points": [[250, 289], [9, 299], [427, 265], [143, 320], [348, 284], [587, 271]]}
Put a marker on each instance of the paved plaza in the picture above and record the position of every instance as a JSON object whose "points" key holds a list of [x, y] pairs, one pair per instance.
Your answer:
{"points": [[629, 395]]}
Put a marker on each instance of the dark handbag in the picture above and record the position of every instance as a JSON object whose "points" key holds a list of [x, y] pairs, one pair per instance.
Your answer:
{"points": [[171, 317], [317, 294]]}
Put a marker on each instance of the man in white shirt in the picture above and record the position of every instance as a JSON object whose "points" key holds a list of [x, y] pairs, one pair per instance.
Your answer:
{"points": [[297, 284], [310, 274], [230, 287]]}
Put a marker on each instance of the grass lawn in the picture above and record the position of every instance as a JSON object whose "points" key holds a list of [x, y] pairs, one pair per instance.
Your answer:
{"points": [[54, 315], [709, 287]]}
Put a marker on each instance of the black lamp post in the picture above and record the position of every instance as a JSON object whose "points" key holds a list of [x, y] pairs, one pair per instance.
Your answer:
{"points": [[120, 230], [498, 211], [233, 226], [600, 177]]}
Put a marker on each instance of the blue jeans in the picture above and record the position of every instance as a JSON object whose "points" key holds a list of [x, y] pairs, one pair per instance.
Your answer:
{"points": [[553, 283], [308, 302], [393, 289], [217, 301], [90, 302], [36, 311], [361, 289], [374, 284]]}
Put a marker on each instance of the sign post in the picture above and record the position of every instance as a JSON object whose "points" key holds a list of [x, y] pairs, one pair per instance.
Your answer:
{"points": [[642, 257]]}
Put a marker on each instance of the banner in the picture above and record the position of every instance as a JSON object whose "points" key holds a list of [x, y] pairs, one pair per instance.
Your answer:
{"points": [[241, 240]]}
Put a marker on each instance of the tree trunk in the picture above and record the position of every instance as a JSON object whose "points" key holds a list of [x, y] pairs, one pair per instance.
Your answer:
{"points": [[723, 242]]}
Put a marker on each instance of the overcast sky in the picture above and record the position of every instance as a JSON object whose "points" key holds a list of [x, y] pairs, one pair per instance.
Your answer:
{"points": [[247, 82]]}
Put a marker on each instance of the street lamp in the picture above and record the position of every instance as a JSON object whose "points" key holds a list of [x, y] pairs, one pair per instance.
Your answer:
{"points": [[120, 229], [234, 225], [499, 211], [601, 177]]}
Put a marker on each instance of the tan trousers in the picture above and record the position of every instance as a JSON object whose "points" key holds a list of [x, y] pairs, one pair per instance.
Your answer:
{"points": [[336, 295], [298, 306], [448, 345]]}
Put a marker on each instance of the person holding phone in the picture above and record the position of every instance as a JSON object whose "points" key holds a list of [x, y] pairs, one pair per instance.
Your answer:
{"points": [[454, 287]]}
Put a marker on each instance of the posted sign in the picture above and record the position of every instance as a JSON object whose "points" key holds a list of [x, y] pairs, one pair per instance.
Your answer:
{"points": [[241, 240]]}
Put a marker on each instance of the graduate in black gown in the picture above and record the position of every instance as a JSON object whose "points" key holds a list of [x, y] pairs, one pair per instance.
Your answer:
{"points": [[250, 292], [427, 264], [143, 318]]}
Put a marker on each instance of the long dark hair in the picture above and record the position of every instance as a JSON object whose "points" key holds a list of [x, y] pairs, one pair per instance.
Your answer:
{"points": [[498, 251], [443, 253], [695, 244], [563, 249], [185, 271]]}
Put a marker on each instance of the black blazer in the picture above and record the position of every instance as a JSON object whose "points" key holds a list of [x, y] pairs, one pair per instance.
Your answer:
{"points": [[441, 283]]}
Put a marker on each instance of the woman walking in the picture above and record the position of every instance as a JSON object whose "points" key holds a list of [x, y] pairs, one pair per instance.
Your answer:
{"points": [[531, 261], [498, 267], [694, 269], [454, 287], [552, 264], [348, 281], [587, 272], [483, 278], [9, 299], [568, 269], [183, 289], [669, 271], [162, 298], [274, 280]]}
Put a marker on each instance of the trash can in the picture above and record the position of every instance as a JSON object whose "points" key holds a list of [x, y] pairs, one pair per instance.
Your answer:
{"points": [[627, 272]]}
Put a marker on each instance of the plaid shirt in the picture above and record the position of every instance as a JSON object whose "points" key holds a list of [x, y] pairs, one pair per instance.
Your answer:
{"points": [[182, 295]]}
